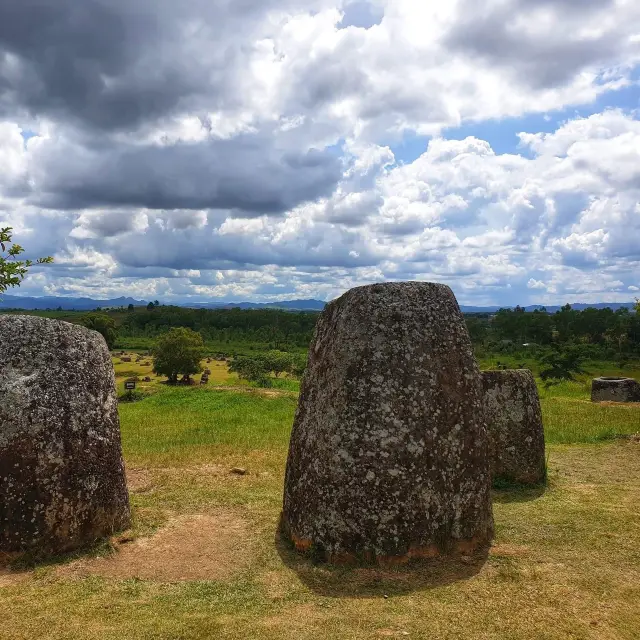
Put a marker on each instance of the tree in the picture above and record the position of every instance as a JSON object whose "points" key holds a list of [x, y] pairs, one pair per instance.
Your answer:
{"points": [[12, 270], [278, 361], [561, 364], [156, 303], [103, 324], [130, 308], [178, 352], [150, 306], [254, 369]]}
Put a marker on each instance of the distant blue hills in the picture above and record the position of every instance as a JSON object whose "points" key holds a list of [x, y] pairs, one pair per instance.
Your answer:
{"points": [[88, 304]]}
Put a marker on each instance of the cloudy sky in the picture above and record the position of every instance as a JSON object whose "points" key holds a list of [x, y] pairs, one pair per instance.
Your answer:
{"points": [[270, 149]]}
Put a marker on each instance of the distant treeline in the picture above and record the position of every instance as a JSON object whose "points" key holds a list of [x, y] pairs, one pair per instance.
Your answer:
{"points": [[608, 333], [602, 333], [273, 328]]}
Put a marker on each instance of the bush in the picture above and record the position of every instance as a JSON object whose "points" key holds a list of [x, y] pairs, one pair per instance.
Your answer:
{"points": [[254, 369], [132, 396], [178, 352]]}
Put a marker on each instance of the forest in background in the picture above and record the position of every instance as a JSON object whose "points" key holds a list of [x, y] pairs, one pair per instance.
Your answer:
{"points": [[600, 334]]}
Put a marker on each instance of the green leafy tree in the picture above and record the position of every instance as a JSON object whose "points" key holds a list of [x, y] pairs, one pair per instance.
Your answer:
{"points": [[150, 306], [254, 369], [178, 352], [298, 365], [278, 361], [130, 308], [103, 324], [561, 364], [12, 270]]}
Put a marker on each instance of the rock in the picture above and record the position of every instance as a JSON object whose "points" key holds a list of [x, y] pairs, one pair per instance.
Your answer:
{"points": [[514, 425], [388, 457], [127, 359], [239, 471], [62, 481], [615, 390]]}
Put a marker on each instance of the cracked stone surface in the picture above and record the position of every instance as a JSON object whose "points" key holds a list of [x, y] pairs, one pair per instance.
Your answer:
{"points": [[62, 482], [514, 424], [388, 457]]}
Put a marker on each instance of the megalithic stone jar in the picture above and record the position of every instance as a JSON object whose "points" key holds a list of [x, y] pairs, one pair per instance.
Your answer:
{"points": [[388, 456], [62, 481], [514, 425]]}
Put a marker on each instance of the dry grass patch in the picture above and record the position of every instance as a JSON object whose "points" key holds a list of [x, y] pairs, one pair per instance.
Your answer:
{"points": [[194, 547]]}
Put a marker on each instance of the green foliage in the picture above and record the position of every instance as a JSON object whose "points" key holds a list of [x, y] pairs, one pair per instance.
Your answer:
{"points": [[299, 365], [603, 333], [228, 329], [103, 324], [178, 352], [254, 369], [259, 367], [132, 395], [561, 364], [12, 270], [278, 361]]}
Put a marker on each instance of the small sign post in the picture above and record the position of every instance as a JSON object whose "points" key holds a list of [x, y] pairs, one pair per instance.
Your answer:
{"points": [[130, 385]]}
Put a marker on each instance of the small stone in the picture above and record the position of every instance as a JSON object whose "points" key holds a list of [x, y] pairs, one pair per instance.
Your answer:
{"points": [[239, 471]]}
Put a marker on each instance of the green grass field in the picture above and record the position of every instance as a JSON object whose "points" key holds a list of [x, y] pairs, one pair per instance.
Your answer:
{"points": [[202, 559]]}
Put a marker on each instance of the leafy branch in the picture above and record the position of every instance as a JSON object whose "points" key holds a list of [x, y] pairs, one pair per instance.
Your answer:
{"points": [[12, 270]]}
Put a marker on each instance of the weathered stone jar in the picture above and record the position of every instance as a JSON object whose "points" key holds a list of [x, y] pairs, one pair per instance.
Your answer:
{"points": [[388, 454], [514, 425], [62, 482], [615, 390]]}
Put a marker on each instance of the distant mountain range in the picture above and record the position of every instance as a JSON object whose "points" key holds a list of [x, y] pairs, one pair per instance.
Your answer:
{"points": [[291, 305], [67, 304], [578, 306], [88, 304]]}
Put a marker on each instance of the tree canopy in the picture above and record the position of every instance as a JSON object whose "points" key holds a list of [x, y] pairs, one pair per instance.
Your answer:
{"points": [[178, 352], [103, 324]]}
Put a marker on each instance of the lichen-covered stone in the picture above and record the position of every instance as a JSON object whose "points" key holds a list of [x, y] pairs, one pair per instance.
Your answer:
{"points": [[62, 481], [615, 390], [388, 455], [514, 424]]}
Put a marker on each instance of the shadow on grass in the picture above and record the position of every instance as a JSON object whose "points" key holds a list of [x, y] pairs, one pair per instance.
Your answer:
{"points": [[26, 561], [518, 493], [366, 581]]}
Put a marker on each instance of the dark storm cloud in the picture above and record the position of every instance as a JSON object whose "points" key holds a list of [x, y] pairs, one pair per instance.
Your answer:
{"points": [[541, 59], [247, 173], [114, 64]]}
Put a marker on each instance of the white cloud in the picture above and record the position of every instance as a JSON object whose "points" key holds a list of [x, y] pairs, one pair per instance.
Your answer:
{"points": [[252, 154]]}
